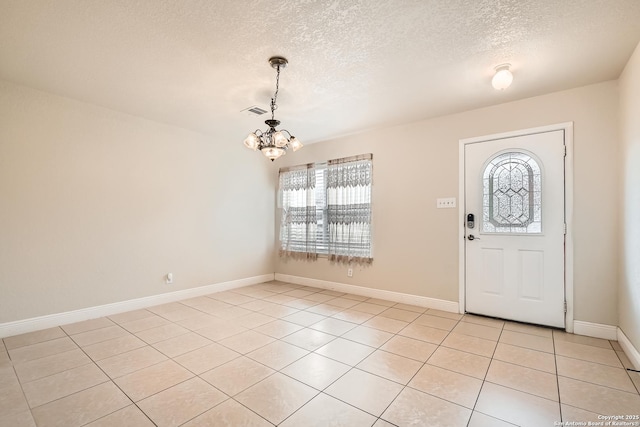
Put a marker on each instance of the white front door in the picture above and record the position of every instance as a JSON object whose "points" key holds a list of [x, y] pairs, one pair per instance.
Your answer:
{"points": [[514, 250]]}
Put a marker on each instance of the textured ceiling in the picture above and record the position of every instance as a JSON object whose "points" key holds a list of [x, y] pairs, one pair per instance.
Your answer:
{"points": [[354, 64]]}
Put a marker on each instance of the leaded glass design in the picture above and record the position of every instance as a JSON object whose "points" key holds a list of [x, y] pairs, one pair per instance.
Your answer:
{"points": [[512, 189]]}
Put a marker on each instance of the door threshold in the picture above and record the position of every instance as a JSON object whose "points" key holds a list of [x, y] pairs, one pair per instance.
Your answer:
{"points": [[553, 328]]}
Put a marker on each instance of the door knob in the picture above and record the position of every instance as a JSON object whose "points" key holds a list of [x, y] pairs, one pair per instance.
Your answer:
{"points": [[472, 237]]}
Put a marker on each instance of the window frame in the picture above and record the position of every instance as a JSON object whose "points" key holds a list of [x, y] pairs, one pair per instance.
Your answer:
{"points": [[321, 198], [537, 187]]}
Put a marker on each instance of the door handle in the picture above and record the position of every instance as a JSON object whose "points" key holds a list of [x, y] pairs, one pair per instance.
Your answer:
{"points": [[472, 237]]}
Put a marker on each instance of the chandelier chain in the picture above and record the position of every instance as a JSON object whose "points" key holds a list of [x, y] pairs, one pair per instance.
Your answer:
{"points": [[274, 106], [273, 143]]}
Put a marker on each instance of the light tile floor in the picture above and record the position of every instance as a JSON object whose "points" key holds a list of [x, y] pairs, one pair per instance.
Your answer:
{"points": [[282, 354]]}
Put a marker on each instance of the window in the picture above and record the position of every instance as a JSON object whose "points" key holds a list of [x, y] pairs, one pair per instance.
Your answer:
{"points": [[298, 228], [512, 195], [322, 240], [349, 209], [326, 209]]}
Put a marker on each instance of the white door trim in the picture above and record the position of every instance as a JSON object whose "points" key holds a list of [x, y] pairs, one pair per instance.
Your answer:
{"points": [[568, 182]]}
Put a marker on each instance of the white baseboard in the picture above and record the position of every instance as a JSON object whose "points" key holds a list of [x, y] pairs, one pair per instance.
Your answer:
{"points": [[438, 304], [596, 330], [43, 322], [632, 353]]}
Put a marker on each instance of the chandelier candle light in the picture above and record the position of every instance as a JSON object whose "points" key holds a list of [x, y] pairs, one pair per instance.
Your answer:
{"points": [[273, 143]]}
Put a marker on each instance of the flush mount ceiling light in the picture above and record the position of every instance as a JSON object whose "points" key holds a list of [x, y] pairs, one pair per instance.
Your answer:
{"points": [[273, 143], [503, 77]]}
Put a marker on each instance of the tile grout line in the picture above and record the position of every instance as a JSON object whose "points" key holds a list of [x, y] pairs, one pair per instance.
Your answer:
{"points": [[280, 370], [403, 328], [282, 373], [515, 364], [555, 363], [181, 382], [325, 317], [592, 361], [195, 375], [15, 373], [405, 386], [352, 367], [629, 373], [109, 380], [484, 380], [599, 385]]}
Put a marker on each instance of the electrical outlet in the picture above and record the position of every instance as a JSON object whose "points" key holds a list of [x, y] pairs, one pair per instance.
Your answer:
{"points": [[446, 203], [350, 272], [169, 278]]}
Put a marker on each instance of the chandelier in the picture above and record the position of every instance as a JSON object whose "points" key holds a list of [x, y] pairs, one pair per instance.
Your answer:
{"points": [[273, 143]]}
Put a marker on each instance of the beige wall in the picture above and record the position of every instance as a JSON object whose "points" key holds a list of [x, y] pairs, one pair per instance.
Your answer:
{"points": [[97, 206], [629, 292], [416, 245]]}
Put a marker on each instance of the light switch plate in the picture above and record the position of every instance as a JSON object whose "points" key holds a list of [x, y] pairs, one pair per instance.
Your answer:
{"points": [[446, 203]]}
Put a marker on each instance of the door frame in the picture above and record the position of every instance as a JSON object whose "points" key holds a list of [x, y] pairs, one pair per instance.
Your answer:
{"points": [[567, 128]]}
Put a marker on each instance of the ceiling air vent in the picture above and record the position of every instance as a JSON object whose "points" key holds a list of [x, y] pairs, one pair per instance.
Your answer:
{"points": [[254, 111]]}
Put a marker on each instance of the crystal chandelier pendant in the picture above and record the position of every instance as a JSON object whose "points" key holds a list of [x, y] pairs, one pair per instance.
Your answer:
{"points": [[252, 141], [273, 143], [273, 153], [295, 143], [279, 139]]}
